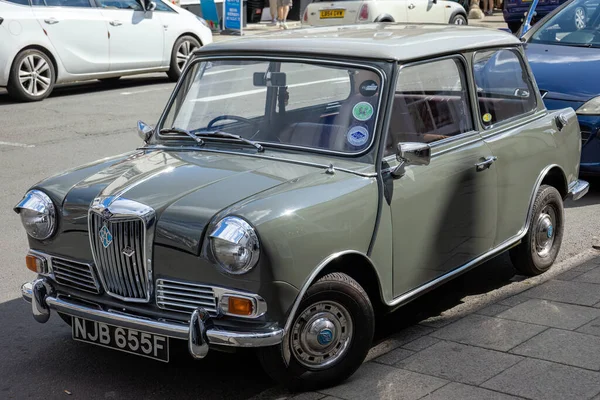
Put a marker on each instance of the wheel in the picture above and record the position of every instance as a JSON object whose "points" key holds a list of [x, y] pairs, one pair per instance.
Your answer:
{"points": [[459, 19], [183, 47], [32, 76], [329, 338], [514, 26], [113, 79], [540, 246], [67, 318]]}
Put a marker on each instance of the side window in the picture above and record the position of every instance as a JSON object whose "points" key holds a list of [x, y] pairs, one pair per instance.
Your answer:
{"points": [[431, 103], [21, 2], [62, 3], [160, 6], [504, 89], [120, 4]]}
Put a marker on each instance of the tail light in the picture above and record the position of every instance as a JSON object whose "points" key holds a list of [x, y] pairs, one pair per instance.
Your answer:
{"points": [[305, 16], [363, 15]]}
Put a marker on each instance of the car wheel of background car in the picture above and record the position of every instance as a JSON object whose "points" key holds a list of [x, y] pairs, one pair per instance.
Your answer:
{"points": [[514, 26], [540, 246], [329, 338], [110, 80], [459, 19], [579, 18], [32, 76], [184, 46]]}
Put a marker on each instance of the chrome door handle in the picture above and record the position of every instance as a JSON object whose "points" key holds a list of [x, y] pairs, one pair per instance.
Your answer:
{"points": [[411, 6], [51, 21], [116, 23], [482, 166]]}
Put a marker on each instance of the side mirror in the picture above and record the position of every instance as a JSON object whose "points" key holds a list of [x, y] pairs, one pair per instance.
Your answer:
{"points": [[411, 154], [144, 131]]}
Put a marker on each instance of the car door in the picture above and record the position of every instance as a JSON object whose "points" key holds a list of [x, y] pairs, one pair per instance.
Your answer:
{"points": [[78, 33], [508, 110], [136, 36], [173, 25], [425, 11], [444, 213]]}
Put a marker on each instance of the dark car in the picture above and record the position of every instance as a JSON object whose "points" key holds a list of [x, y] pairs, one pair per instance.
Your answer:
{"points": [[514, 11], [564, 53]]}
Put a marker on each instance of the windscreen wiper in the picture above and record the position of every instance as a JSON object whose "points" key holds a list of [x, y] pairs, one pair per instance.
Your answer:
{"points": [[185, 132], [222, 134]]}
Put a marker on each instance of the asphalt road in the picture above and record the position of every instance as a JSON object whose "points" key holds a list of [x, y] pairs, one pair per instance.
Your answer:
{"points": [[84, 122]]}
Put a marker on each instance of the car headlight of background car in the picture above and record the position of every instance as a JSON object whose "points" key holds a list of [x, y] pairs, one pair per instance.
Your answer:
{"points": [[235, 245], [591, 107], [203, 21], [38, 214]]}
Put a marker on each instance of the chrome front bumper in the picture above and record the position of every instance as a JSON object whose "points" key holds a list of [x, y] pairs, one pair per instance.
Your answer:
{"points": [[578, 189], [200, 332]]}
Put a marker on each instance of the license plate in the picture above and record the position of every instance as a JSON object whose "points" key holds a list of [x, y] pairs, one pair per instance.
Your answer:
{"points": [[123, 339], [323, 14]]}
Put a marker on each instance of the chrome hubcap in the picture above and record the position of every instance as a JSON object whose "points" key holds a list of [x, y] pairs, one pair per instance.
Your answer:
{"points": [[580, 18], [545, 231], [183, 53], [459, 21], [321, 335], [35, 75]]}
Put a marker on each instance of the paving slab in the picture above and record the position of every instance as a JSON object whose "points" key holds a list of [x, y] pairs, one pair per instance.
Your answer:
{"points": [[377, 381], [572, 348], [514, 300], [394, 356], [575, 272], [592, 276], [544, 380], [459, 391], [398, 339], [492, 310], [592, 328], [488, 332], [549, 313], [582, 293], [421, 343], [459, 362]]}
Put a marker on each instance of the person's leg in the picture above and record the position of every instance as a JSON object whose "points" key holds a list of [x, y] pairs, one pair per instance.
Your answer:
{"points": [[273, 11], [490, 7], [285, 11]]}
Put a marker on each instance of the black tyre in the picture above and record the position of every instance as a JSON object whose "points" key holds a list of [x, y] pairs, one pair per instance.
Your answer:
{"points": [[111, 80], [67, 318], [540, 246], [514, 26], [459, 19], [32, 76], [329, 338], [183, 47]]}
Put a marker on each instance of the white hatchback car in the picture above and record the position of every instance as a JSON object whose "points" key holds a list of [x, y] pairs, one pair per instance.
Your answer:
{"points": [[44, 42], [340, 12]]}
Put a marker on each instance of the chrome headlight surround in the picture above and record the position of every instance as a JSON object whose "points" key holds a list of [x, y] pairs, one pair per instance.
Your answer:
{"points": [[590, 107], [38, 214], [235, 245]]}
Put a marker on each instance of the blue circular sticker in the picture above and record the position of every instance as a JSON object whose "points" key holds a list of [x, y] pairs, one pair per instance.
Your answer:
{"points": [[358, 136]]}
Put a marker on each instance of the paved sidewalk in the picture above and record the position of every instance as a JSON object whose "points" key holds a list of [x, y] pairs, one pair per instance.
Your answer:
{"points": [[536, 338]]}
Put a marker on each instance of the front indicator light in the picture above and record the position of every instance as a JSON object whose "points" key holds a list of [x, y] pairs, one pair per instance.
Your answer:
{"points": [[240, 306], [36, 264], [591, 107]]}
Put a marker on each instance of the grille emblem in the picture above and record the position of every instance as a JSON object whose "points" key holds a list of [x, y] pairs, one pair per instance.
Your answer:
{"points": [[105, 236], [106, 214], [128, 252]]}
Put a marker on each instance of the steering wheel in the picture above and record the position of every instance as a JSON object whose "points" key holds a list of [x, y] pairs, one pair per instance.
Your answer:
{"points": [[231, 118]]}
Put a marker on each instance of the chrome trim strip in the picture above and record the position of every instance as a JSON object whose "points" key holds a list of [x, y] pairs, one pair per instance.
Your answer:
{"points": [[578, 189], [298, 162], [215, 335], [200, 58]]}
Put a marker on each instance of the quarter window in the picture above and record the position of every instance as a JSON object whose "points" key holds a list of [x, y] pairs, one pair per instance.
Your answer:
{"points": [[121, 4], [430, 103], [504, 89], [160, 6]]}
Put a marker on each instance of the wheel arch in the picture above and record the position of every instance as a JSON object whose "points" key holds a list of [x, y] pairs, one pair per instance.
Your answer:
{"points": [[44, 50], [384, 18], [552, 175], [458, 12]]}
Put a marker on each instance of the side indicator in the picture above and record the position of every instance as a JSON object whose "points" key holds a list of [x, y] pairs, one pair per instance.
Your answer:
{"points": [[36, 264], [45, 33]]}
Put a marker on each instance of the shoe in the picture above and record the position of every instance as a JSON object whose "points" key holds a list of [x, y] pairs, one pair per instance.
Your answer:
{"points": [[285, 26], [272, 23]]}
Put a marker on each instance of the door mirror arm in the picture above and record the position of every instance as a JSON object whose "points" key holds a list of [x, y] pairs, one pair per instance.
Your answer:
{"points": [[411, 154]]}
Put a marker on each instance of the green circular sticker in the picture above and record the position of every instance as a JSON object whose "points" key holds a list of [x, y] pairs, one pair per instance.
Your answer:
{"points": [[362, 111]]}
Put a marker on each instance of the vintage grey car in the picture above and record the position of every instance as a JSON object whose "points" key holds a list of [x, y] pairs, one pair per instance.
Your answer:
{"points": [[298, 184]]}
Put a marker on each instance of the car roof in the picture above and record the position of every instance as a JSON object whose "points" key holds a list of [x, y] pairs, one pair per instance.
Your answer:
{"points": [[384, 41]]}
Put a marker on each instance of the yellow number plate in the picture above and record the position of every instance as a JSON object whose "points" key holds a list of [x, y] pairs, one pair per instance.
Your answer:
{"points": [[331, 14]]}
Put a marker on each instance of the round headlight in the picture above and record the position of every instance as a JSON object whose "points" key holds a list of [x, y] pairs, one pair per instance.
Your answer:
{"points": [[38, 214], [235, 245]]}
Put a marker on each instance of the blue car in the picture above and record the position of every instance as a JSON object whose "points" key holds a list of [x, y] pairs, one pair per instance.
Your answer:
{"points": [[563, 50], [514, 11]]}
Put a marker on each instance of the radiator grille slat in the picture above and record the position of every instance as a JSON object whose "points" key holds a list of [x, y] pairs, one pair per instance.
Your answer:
{"points": [[121, 264], [76, 275], [185, 297]]}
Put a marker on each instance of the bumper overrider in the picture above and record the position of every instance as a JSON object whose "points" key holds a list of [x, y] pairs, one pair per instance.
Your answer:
{"points": [[200, 333]]}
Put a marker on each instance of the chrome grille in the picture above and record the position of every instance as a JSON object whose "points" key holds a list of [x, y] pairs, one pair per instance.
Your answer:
{"points": [[121, 264], [76, 275], [185, 297]]}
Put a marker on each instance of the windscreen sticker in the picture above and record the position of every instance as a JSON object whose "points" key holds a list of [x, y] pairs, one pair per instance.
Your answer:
{"points": [[368, 88], [362, 111], [358, 136], [487, 117]]}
